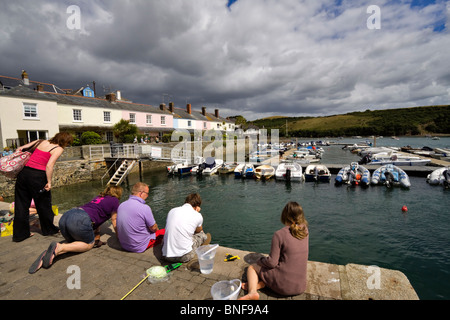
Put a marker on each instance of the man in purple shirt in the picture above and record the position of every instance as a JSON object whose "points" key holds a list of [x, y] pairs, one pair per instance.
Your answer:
{"points": [[136, 227]]}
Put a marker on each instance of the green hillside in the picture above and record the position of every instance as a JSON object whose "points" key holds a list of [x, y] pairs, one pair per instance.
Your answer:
{"points": [[405, 121]]}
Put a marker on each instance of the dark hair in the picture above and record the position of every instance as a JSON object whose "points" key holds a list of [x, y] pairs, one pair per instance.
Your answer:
{"points": [[63, 139], [294, 217], [194, 200]]}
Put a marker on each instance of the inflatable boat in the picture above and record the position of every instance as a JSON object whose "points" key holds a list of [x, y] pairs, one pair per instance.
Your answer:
{"points": [[390, 175], [353, 174], [440, 176]]}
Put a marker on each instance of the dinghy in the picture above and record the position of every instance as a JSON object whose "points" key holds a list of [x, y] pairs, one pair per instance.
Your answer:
{"points": [[390, 175], [244, 170], [289, 171], [264, 172], [353, 174], [226, 168], [440, 176], [317, 172]]}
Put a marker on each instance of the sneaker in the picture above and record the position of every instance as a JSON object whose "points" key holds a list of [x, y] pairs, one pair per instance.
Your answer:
{"points": [[208, 239]]}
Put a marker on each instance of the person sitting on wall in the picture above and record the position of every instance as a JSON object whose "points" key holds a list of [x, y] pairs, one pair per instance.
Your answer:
{"points": [[136, 227], [184, 231]]}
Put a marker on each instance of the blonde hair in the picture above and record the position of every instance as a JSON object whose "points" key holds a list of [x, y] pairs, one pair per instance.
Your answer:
{"points": [[113, 191], [294, 217]]}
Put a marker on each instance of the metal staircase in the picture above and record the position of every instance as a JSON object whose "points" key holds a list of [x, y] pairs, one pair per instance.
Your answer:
{"points": [[122, 172]]}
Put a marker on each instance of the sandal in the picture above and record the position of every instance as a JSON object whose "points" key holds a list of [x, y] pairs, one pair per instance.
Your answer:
{"points": [[37, 264], [49, 255]]}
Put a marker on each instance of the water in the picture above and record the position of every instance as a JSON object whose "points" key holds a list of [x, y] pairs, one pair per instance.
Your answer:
{"points": [[347, 225], [206, 264]]}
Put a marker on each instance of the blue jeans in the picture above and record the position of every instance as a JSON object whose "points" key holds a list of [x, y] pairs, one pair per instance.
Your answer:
{"points": [[76, 225]]}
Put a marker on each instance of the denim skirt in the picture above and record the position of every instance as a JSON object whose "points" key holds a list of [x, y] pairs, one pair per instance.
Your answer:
{"points": [[76, 225]]}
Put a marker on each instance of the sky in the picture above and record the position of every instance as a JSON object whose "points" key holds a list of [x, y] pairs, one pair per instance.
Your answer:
{"points": [[255, 58]]}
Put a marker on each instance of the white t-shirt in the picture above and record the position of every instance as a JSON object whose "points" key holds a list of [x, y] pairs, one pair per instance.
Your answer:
{"points": [[180, 227]]}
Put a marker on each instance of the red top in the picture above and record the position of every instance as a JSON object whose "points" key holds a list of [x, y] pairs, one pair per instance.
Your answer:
{"points": [[39, 160]]}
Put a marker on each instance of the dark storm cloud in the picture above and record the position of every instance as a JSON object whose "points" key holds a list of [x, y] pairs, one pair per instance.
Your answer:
{"points": [[255, 58]]}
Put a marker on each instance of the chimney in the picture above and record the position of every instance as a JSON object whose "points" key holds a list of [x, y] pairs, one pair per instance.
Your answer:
{"points": [[25, 79], [216, 112], [162, 106], [204, 111], [171, 107], [40, 88], [111, 97], [188, 108], [119, 95]]}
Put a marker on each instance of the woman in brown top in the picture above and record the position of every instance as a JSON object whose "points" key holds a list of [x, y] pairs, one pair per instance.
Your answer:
{"points": [[284, 270]]}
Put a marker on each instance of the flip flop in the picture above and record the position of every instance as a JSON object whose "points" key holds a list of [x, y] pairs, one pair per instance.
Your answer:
{"points": [[37, 264], [49, 255]]}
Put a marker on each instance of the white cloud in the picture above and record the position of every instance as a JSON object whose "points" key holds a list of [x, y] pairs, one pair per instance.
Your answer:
{"points": [[258, 58]]}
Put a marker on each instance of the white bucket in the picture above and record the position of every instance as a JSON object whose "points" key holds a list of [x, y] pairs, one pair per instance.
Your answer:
{"points": [[226, 290], [206, 256]]}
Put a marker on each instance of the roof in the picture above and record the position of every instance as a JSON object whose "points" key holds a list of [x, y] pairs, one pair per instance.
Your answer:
{"points": [[22, 91]]}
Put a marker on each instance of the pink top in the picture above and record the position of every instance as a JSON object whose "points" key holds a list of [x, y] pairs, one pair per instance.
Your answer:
{"points": [[39, 159]]}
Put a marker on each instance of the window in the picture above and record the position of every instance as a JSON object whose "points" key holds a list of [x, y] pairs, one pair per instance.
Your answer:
{"points": [[132, 117], [189, 123], [107, 116], [218, 126], [204, 125], [163, 120], [109, 136], [149, 119], [77, 115], [30, 111]]}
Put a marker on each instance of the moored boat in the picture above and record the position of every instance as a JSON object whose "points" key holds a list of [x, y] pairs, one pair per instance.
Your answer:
{"points": [[226, 168], [264, 172], [208, 167], [390, 175], [317, 172], [289, 171], [440, 176], [353, 174]]}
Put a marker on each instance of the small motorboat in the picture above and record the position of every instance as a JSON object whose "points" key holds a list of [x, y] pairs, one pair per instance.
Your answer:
{"points": [[440, 176], [353, 174], [244, 170], [180, 169], [264, 172], [396, 159], [390, 175], [289, 171], [226, 168], [317, 172], [208, 167]]}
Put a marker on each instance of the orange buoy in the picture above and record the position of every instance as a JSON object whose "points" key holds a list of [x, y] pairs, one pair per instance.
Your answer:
{"points": [[404, 208]]}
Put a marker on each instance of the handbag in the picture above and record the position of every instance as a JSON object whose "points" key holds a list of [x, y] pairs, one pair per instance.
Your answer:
{"points": [[12, 164]]}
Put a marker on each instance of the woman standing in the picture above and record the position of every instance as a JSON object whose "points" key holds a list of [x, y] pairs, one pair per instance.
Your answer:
{"points": [[284, 270], [35, 182]]}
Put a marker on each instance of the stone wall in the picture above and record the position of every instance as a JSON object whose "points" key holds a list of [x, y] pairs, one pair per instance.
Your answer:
{"points": [[77, 171]]}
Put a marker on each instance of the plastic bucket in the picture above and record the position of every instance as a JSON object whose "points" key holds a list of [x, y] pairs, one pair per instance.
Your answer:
{"points": [[205, 256], [226, 290]]}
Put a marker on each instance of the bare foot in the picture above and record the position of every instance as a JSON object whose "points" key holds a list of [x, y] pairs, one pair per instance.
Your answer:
{"points": [[250, 296], [260, 285]]}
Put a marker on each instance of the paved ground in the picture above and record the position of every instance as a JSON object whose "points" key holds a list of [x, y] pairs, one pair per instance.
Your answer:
{"points": [[109, 273]]}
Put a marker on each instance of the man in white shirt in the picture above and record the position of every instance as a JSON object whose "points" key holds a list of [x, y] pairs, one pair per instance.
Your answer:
{"points": [[183, 231]]}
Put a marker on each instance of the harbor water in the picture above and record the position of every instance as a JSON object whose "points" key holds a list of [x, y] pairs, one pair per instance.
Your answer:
{"points": [[347, 224]]}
